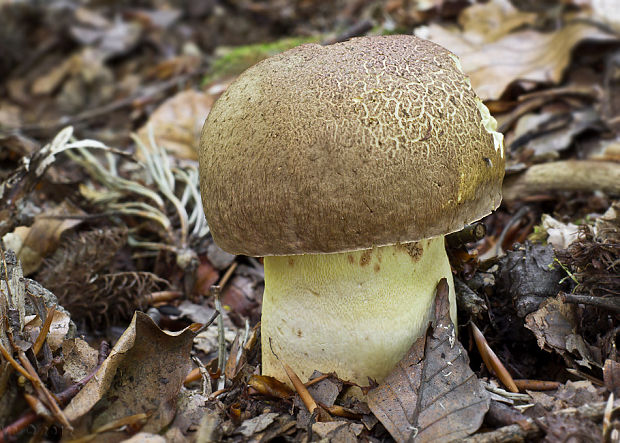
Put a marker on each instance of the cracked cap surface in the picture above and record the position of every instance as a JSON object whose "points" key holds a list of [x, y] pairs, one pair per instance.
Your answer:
{"points": [[321, 149]]}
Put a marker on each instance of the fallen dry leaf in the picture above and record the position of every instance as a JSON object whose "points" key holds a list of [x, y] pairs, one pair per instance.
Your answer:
{"points": [[80, 359], [432, 395], [142, 375], [554, 325], [606, 11], [494, 19], [546, 134], [177, 123], [33, 243], [257, 424], [525, 55]]}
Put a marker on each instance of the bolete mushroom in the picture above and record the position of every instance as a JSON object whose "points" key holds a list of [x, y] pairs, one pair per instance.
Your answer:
{"points": [[345, 166]]}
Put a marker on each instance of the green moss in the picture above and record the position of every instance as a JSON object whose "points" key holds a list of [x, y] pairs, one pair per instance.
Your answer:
{"points": [[233, 61], [539, 235]]}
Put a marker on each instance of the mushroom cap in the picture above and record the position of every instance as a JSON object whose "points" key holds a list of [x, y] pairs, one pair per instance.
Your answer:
{"points": [[371, 142]]}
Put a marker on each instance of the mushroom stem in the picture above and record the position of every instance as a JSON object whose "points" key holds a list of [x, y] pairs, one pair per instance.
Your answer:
{"points": [[356, 313]]}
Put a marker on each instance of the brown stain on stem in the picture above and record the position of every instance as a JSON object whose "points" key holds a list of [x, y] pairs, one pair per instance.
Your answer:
{"points": [[414, 249], [366, 257]]}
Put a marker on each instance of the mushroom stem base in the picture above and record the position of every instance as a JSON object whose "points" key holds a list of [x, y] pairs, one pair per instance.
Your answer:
{"points": [[354, 313]]}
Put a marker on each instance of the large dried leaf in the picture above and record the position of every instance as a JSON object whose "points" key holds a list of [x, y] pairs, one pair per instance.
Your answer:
{"points": [[32, 244], [525, 55], [555, 324], [177, 123], [432, 395], [142, 375], [494, 19], [546, 134]]}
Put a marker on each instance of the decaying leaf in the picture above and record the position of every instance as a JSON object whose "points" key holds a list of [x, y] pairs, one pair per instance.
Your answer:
{"points": [[79, 359], [33, 243], [341, 431], [548, 133], [529, 275], [560, 235], [142, 375], [432, 395], [525, 55], [177, 123], [494, 19], [257, 424], [554, 325]]}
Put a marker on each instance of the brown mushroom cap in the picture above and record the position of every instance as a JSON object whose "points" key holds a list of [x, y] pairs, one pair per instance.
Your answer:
{"points": [[370, 142]]}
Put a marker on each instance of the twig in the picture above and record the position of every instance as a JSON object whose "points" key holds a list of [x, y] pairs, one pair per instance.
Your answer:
{"points": [[63, 398], [208, 323], [300, 388], [607, 415], [470, 233], [193, 375], [6, 273], [45, 329], [468, 300], [569, 175], [591, 378], [221, 354], [7, 356], [516, 218], [316, 380], [536, 385], [207, 387], [491, 361], [162, 296], [359, 28], [228, 274], [50, 400], [609, 303]]}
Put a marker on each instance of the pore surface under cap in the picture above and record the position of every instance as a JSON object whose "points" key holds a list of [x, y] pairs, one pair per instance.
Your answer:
{"points": [[373, 141]]}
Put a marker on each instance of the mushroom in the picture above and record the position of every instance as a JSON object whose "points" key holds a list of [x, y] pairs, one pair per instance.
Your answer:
{"points": [[345, 166]]}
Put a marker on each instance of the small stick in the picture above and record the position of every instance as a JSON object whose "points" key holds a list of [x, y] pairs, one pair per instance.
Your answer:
{"points": [[316, 380], [585, 376], [607, 416], [300, 388], [491, 361], [162, 296], [469, 234], [50, 399], [609, 303], [45, 329], [193, 376], [221, 354], [217, 393], [568, 175], [63, 398], [6, 272], [536, 385], [359, 28], [228, 274], [38, 407], [8, 357], [340, 411]]}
